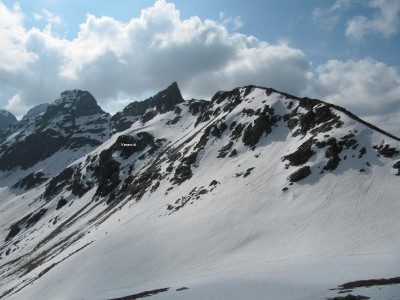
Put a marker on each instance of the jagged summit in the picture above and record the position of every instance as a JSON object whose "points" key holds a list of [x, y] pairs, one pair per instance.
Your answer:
{"points": [[162, 102], [76, 103], [72, 121], [6, 118]]}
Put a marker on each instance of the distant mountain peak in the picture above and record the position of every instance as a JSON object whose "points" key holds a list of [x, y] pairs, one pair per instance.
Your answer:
{"points": [[162, 102], [35, 111], [74, 102], [6, 118]]}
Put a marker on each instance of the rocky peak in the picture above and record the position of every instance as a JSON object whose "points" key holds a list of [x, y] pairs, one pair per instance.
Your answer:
{"points": [[162, 102], [6, 118], [35, 111], [75, 103]]}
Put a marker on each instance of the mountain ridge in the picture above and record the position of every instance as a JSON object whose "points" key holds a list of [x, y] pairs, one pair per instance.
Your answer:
{"points": [[253, 173]]}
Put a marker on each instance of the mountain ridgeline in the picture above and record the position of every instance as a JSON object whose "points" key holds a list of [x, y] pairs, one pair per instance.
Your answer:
{"points": [[69, 168]]}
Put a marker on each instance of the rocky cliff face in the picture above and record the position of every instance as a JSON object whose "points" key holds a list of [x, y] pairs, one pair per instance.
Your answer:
{"points": [[173, 185]]}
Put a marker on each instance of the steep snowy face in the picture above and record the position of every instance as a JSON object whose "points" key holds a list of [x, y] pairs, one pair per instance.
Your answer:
{"points": [[6, 118], [183, 189]]}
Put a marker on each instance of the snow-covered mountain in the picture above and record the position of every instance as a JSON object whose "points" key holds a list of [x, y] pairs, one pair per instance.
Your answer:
{"points": [[35, 111], [255, 194], [6, 118]]}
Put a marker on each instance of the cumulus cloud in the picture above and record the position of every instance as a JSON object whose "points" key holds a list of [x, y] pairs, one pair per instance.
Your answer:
{"points": [[14, 54], [384, 23], [108, 57], [367, 87], [111, 58]]}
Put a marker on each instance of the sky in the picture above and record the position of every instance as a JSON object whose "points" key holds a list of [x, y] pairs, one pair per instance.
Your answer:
{"points": [[344, 52]]}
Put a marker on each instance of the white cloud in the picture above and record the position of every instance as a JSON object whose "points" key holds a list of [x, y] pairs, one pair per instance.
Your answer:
{"points": [[235, 22], [329, 17], [111, 58], [389, 122], [384, 23], [14, 54], [108, 57], [366, 87]]}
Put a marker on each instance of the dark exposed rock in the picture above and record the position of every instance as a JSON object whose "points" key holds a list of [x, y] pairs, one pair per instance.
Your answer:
{"points": [[332, 153], [126, 151], [35, 217], [317, 119], [174, 120], [198, 106], [30, 181], [183, 172], [58, 183], [350, 297], [14, 230], [332, 163], [32, 149], [204, 117], [248, 172], [362, 152], [370, 282], [62, 202], [128, 145], [224, 150], [300, 174], [237, 132], [226, 147], [301, 155], [78, 186], [214, 182], [162, 102], [262, 125], [144, 294], [233, 153], [218, 129], [74, 103], [203, 139], [148, 116], [195, 194], [397, 166], [107, 173], [387, 151], [248, 112], [79, 142]]}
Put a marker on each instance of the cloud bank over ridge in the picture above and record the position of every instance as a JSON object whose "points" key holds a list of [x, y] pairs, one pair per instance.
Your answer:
{"points": [[109, 58]]}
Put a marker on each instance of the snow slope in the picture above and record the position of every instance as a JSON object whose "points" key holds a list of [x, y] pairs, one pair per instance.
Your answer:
{"points": [[211, 198]]}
